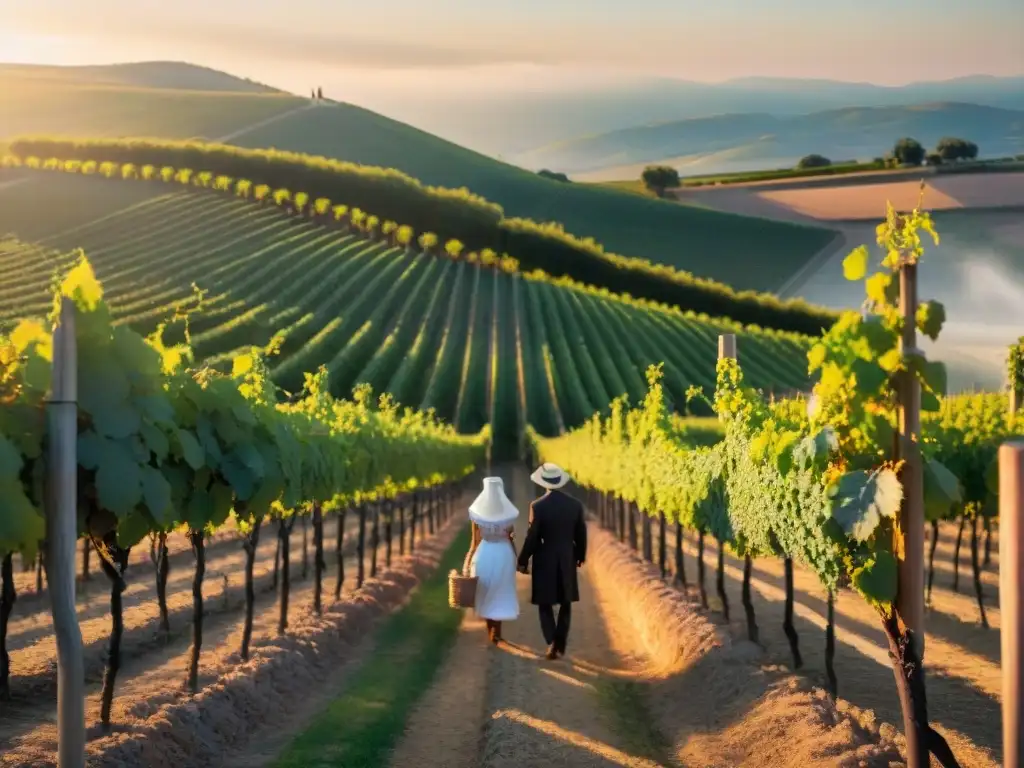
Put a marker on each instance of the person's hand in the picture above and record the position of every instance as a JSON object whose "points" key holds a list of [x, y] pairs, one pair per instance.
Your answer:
{"points": [[579, 563]]}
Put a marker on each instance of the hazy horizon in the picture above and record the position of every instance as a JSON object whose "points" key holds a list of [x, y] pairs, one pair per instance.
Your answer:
{"points": [[456, 47]]}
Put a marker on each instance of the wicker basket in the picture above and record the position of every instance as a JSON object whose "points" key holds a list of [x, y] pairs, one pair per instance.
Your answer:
{"points": [[461, 590], [462, 586]]}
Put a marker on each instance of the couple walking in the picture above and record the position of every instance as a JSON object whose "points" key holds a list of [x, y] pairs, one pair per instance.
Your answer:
{"points": [[556, 541]]}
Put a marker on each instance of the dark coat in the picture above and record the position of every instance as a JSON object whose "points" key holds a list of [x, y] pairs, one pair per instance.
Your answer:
{"points": [[557, 542]]}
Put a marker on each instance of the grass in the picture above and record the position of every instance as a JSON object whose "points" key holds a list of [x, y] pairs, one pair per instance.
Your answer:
{"points": [[359, 729], [368, 312], [65, 105], [626, 702]]}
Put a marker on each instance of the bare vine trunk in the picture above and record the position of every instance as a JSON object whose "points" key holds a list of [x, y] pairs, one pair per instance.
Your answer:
{"points": [[319, 565], [748, 604], [701, 582], [8, 597], [931, 560], [163, 572], [198, 541], [720, 580], [908, 671], [361, 548], [976, 571], [662, 553], [305, 547], [339, 555], [988, 542], [680, 578], [956, 554], [389, 529], [787, 622], [114, 562], [631, 511], [413, 514], [647, 532], [284, 535], [250, 544], [277, 563], [401, 528], [374, 541], [830, 646], [86, 551]]}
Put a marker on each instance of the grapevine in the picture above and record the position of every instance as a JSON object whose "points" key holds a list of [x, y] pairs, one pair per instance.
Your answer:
{"points": [[165, 446]]}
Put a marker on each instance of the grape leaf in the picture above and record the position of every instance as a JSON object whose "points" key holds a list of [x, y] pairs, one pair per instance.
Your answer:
{"points": [[877, 579], [118, 479], [10, 460], [930, 317], [855, 265], [941, 490], [156, 491], [815, 449], [133, 529], [156, 441], [191, 450], [870, 377], [116, 420], [21, 524], [861, 499]]}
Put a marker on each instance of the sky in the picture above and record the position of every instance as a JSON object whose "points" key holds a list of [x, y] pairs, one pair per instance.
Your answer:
{"points": [[462, 45]]}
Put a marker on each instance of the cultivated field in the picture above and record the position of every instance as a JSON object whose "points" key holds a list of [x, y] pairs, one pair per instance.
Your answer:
{"points": [[437, 334], [977, 270]]}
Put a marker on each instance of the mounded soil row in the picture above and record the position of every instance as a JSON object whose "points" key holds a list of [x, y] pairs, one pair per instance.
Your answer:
{"points": [[159, 724], [712, 696]]}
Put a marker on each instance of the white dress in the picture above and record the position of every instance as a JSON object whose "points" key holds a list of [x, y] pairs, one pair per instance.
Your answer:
{"points": [[494, 565]]}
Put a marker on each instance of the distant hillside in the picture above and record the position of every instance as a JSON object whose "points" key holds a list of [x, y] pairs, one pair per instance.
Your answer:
{"points": [[152, 99], [509, 123], [743, 252], [146, 74], [765, 140]]}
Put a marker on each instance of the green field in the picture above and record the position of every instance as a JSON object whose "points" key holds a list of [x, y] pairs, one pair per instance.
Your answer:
{"points": [[435, 333], [708, 243], [67, 102]]}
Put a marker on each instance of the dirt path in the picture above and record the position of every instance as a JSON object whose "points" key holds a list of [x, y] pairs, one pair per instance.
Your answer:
{"points": [[272, 119], [576, 711], [962, 657]]}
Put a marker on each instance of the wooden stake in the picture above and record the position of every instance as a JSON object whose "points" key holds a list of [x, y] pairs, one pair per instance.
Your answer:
{"points": [[910, 597], [1011, 597], [62, 537]]}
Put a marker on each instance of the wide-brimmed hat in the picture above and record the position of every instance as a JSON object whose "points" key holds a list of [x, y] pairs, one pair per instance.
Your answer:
{"points": [[492, 505], [550, 476]]}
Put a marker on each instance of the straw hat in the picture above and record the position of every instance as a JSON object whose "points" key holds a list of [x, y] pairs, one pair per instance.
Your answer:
{"points": [[550, 476], [492, 505]]}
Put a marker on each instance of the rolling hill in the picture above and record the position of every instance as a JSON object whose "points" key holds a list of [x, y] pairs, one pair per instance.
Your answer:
{"points": [[524, 118], [476, 344], [764, 140], [707, 243]]}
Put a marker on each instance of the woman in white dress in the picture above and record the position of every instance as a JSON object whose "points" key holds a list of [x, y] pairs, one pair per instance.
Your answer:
{"points": [[493, 557]]}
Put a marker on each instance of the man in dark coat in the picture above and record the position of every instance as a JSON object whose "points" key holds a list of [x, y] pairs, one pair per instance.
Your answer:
{"points": [[557, 542]]}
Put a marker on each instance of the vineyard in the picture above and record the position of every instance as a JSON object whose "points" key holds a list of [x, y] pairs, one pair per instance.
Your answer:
{"points": [[285, 403], [807, 482], [476, 344]]}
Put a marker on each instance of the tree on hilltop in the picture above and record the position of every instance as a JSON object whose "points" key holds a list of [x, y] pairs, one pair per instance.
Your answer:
{"points": [[554, 176], [813, 161], [908, 151], [950, 148], [659, 178]]}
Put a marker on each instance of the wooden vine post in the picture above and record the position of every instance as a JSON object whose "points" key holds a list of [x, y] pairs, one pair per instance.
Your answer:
{"points": [[910, 532], [1011, 598], [62, 539]]}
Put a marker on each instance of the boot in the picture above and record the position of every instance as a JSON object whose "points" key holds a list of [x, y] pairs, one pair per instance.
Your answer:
{"points": [[490, 630], [496, 634]]}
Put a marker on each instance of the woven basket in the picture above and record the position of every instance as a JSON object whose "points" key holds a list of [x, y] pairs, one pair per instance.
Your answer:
{"points": [[461, 590], [462, 586]]}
